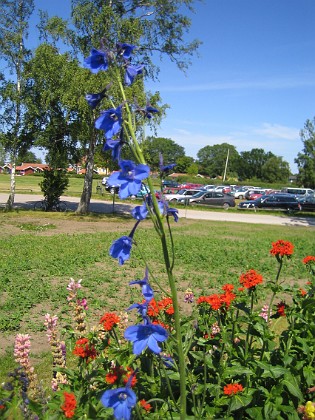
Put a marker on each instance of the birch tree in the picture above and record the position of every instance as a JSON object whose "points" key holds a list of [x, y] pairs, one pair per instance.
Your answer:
{"points": [[14, 17]]}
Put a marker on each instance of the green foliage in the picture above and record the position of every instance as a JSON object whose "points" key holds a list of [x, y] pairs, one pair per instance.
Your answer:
{"points": [[306, 159], [212, 159], [53, 185], [153, 146], [275, 170], [251, 163]]}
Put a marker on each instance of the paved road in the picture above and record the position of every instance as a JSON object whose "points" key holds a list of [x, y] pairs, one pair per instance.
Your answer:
{"points": [[100, 206]]}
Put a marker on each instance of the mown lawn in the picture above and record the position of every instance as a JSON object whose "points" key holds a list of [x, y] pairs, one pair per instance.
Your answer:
{"points": [[37, 264]]}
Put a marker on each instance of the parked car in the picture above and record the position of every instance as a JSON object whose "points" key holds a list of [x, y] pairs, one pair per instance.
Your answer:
{"points": [[249, 192], [189, 186], [211, 198], [113, 189], [307, 203], [168, 183], [240, 193], [171, 190], [273, 201], [181, 194]]}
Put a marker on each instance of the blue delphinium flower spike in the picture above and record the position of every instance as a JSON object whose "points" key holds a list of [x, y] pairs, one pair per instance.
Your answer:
{"points": [[129, 178], [147, 290], [165, 168], [121, 400], [146, 335], [115, 146], [131, 72], [121, 248], [96, 61], [110, 121], [149, 110], [124, 50], [93, 99], [142, 309]]}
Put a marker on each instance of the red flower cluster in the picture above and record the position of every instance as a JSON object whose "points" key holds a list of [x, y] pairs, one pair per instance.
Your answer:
{"points": [[69, 405], [309, 259], [232, 389], [119, 373], [146, 406], [164, 305], [303, 292], [281, 309], [217, 301], [84, 349], [250, 279], [109, 321], [282, 248]]}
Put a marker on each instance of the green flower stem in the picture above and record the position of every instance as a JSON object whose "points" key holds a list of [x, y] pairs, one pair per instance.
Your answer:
{"points": [[247, 344], [169, 387], [276, 284], [271, 302], [168, 265]]}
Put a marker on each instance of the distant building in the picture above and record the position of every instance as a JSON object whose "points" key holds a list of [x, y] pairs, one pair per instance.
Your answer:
{"points": [[25, 168]]}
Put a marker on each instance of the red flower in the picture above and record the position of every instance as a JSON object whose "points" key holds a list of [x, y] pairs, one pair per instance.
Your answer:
{"points": [[232, 389], [109, 321], [69, 404], [113, 375], [228, 288], [126, 376], [2, 407], [84, 350], [281, 308], [119, 373], [303, 292], [309, 259], [153, 309], [166, 304], [146, 406], [250, 279], [282, 248]]}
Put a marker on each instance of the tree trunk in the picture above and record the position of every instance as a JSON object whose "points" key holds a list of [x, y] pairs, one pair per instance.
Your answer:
{"points": [[84, 205], [10, 202]]}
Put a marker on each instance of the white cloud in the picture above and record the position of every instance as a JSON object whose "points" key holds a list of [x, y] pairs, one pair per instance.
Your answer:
{"points": [[277, 131]]}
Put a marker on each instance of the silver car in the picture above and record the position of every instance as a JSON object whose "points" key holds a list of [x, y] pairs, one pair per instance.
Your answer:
{"points": [[211, 198]]}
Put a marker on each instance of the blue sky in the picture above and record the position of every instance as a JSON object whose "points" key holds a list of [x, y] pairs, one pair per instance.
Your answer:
{"points": [[253, 84]]}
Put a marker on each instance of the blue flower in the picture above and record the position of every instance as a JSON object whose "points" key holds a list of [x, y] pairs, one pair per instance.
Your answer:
{"points": [[146, 335], [129, 178], [115, 146], [142, 309], [121, 400], [96, 61], [149, 110], [140, 212], [146, 288], [173, 212], [121, 249], [165, 210], [110, 121], [132, 72], [165, 168], [125, 50], [94, 99]]}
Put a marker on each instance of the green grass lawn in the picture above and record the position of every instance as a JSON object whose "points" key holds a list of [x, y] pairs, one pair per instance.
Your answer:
{"points": [[37, 264]]}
